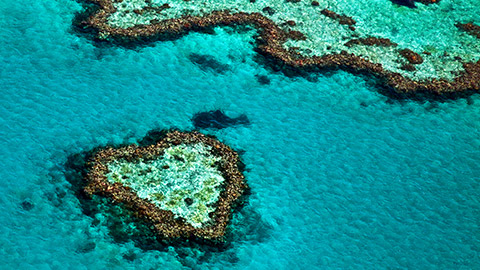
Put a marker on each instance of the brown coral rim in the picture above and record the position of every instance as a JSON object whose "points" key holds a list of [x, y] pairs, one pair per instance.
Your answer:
{"points": [[162, 221], [470, 28], [371, 41], [411, 56], [342, 19], [270, 40]]}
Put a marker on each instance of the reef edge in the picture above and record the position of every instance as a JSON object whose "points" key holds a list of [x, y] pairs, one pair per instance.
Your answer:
{"points": [[163, 222], [269, 44]]}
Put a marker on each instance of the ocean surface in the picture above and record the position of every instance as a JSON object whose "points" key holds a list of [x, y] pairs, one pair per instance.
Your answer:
{"points": [[341, 176]]}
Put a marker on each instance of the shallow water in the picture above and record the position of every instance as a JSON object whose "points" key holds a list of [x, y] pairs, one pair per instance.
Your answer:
{"points": [[341, 176]]}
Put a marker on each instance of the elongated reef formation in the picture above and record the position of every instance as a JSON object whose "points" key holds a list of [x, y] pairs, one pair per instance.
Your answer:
{"points": [[410, 50]]}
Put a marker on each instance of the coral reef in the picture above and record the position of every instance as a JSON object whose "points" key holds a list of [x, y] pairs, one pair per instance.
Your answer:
{"points": [[470, 28], [342, 19], [184, 185], [184, 180], [411, 56], [308, 36], [371, 41]]}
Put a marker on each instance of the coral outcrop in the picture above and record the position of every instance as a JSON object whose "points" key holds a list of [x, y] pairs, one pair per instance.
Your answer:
{"points": [[184, 185], [308, 36]]}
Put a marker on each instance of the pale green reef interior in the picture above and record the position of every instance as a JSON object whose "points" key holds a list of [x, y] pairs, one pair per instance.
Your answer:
{"points": [[425, 28], [183, 171]]}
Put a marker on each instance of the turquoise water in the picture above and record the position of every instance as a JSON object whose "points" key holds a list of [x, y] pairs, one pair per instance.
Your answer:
{"points": [[341, 176]]}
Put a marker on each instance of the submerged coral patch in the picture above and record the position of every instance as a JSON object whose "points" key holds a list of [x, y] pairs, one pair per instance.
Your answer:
{"points": [[184, 185], [217, 119], [208, 63]]}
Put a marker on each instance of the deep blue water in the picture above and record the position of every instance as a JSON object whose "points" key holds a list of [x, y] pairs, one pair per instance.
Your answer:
{"points": [[341, 176]]}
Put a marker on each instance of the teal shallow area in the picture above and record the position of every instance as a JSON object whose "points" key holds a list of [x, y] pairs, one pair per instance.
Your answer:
{"points": [[341, 177]]}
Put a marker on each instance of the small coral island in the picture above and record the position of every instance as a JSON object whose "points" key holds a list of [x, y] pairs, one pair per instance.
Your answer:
{"points": [[184, 185], [432, 48]]}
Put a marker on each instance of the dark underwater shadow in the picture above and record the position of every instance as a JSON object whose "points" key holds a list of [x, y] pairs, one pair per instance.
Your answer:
{"points": [[208, 63], [247, 225], [217, 119], [407, 3]]}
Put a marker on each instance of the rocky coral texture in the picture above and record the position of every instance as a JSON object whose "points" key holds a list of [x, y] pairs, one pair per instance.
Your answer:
{"points": [[324, 35], [184, 185], [184, 180]]}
